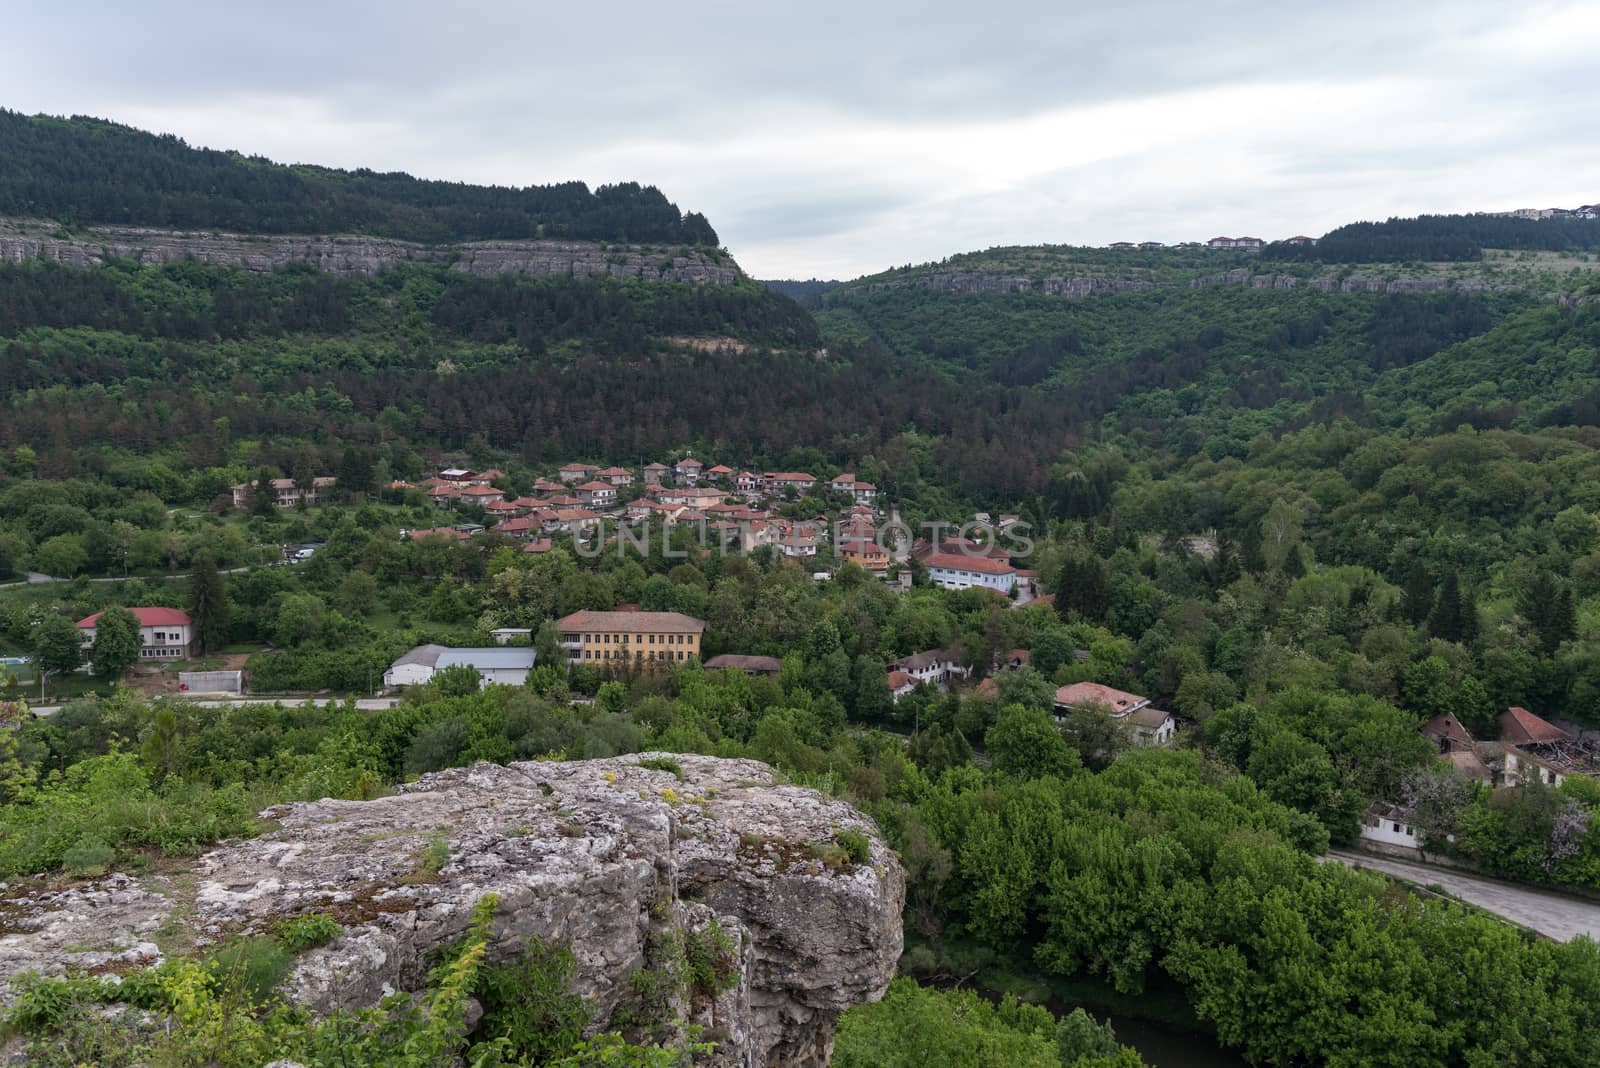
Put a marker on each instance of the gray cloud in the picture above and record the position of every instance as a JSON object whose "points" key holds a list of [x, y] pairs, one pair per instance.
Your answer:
{"points": [[838, 138]]}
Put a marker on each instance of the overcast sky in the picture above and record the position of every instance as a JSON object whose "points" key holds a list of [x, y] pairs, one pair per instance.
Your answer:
{"points": [[834, 139]]}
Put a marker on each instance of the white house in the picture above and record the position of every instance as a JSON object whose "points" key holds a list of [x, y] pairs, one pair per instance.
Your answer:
{"points": [[1385, 825], [936, 666], [1151, 726], [164, 633], [958, 571], [900, 684], [496, 665]]}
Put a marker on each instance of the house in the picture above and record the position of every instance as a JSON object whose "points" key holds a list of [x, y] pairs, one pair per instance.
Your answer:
{"points": [[957, 571], [1389, 829], [569, 519], [655, 474], [750, 665], [796, 546], [481, 495], [843, 483], [900, 684], [868, 555], [546, 487], [444, 496], [617, 476], [1087, 694], [505, 635], [799, 481], [503, 509], [1299, 239], [1148, 246], [164, 633], [1150, 726], [935, 666], [1518, 726], [746, 482], [1252, 243], [457, 476], [1469, 763], [720, 473], [1446, 732], [523, 526], [693, 496], [537, 545], [1511, 766], [687, 470], [630, 638], [285, 492], [597, 494], [496, 665], [1125, 245], [576, 472], [1016, 658]]}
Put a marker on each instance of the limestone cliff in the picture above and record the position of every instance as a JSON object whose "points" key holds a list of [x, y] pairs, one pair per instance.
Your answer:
{"points": [[26, 239], [606, 856], [1094, 285]]}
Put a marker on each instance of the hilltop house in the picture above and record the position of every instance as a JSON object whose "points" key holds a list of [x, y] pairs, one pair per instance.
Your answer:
{"points": [[958, 571], [617, 476], [799, 481], [576, 472], [938, 667], [1146, 724], [687, 470]]}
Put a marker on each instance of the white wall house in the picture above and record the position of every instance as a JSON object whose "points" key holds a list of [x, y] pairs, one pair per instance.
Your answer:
{"points": [[164, 633], [1386, 825], [958, 571]]}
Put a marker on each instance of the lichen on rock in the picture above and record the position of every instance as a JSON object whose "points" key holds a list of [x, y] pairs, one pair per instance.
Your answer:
{"points": [[610, 857]]}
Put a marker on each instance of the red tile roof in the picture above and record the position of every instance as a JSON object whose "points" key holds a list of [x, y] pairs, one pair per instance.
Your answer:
{"points": [[1086, 693], [983, 565], [720, 470], [790, 476], [439, 532], [897, 679], [1521, 727], [660, 622], [148, 617]]}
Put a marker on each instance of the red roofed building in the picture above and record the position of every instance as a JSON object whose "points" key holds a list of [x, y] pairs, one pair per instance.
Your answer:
{"points": [[1521, 727], [617, 476], [1079, 694], [447, 533], [900, 684], [164, 633], [959, 571], [597, 494]]}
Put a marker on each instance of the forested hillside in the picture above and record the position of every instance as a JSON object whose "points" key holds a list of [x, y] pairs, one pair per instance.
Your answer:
{"points": [[1441, 237], [86, 170]]}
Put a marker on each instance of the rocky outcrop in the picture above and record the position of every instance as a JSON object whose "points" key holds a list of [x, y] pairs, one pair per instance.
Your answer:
{"points": [[1061, 286], [607, 856], [351, 254]]}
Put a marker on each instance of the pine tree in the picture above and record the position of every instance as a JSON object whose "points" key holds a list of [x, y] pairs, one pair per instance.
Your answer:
{"points": [[1454, 617], [1417, 595], [208, 604], [1084, 589]]}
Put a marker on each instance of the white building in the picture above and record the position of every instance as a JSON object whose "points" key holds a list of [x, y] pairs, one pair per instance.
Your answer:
{"points": [[497, 665], [1385, 825], [935, 666], [958, 571], [164, 633], [1151, 726]]}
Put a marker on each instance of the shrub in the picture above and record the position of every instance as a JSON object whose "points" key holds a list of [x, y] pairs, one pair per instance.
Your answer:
{"points": [[530, 1003], [854, 843], [300, 933], [663, 764], [253, 966], [89, 856]]}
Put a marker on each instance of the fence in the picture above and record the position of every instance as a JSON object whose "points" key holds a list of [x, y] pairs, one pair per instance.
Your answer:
{"points": [[211, 681]]}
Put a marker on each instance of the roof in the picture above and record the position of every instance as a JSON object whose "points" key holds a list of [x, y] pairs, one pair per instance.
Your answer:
{"points": [[1521, 727], [1092, 693], [148, 617], [848, 476], [598, 487], [439, 532], [616, 471], [961, 562], [1470, 764], [739, 662], [1445, 725], [721, 469], [425, 655], [480, 491], [899, 679], [690, 461], [1149, 716], [656, 467], [790, 476], [925, 659], [671, 622], [578, 467], [489, 658]]}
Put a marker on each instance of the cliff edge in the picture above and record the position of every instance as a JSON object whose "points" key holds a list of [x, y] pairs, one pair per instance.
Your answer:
{"points": [[611, 857]]}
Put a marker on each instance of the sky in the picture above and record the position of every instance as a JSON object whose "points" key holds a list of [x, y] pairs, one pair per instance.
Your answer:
{"points": [[831, 140]]}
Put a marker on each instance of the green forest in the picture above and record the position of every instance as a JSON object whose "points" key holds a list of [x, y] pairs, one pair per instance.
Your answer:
{"points": [[1306, 521], [84, 170]]}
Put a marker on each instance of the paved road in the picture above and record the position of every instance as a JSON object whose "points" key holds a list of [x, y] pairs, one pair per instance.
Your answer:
{"points": [[1561, 918], [366, 704]]}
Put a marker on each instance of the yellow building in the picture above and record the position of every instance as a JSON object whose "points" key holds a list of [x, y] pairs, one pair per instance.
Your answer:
{"points": [[633, 639]]}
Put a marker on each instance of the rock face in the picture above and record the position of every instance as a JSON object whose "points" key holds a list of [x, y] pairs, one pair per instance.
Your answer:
{"points": [[350, 254], [607, 856], [1062, 286]]}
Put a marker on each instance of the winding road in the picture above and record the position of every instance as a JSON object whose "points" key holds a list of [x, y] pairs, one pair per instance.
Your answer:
{"points": [[1554, 915]]}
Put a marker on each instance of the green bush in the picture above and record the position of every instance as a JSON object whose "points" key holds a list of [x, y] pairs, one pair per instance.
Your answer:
{"points": [[252, 966], [300, 933], [855, 844], [90, 856], [530, 1003]]}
